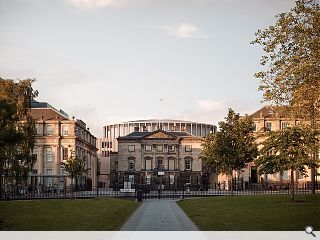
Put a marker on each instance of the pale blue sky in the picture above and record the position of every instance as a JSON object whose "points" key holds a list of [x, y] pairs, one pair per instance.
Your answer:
{"points": [[106, 61]]}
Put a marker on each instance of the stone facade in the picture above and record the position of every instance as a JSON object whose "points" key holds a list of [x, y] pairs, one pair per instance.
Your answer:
{"points": [[158, 158], [268, 118], [56, 138], [274, 118]]}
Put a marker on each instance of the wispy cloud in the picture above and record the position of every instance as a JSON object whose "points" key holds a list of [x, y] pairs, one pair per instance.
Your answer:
{"points": [[184, 30], [209, 105], [94, 4]]}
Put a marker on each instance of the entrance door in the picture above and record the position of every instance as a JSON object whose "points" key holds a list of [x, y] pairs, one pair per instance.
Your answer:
{"points": [[254, 176]]}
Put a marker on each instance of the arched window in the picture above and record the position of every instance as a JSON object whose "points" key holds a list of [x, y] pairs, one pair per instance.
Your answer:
{"points": [[131, 163]]}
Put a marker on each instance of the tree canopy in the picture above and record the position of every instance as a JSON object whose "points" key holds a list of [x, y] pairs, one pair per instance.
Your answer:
{"points": [[292, 59], [17, 128], [287, 149], [232, 148], [75, 167]]}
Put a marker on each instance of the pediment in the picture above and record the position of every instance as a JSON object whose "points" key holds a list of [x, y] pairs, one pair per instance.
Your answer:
{"points": [[160, 135]]}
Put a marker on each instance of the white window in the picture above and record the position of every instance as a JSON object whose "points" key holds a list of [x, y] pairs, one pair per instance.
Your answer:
{"points": [[148, 148], [159, 148], [65, 130], [47, 179], [48, 154], [131, 179], [49, 130], [171, 164], [48, 172], [254, 127], [188, 164], [171, 148], [284, 125], [188, 148], [148, 164], [268, 126], [131, 148], [285, 175]]}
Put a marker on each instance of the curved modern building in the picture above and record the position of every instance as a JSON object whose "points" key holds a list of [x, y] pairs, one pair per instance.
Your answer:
{"points": [[113, 131]]}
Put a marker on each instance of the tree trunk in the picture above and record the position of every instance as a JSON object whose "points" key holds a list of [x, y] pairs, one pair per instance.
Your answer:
{"points": [[314, 156], [1, 187], [313, 174], [231, 183], [71, 190], [292, 185]]}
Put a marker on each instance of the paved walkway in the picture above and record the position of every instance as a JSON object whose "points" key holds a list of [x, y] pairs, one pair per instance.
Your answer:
{"points": [[159, 215]]}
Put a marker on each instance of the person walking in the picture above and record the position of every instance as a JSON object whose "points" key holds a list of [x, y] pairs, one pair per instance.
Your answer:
{"points": [[159, 191]]}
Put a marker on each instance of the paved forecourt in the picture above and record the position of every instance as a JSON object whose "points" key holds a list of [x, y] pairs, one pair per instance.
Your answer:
{"points": [[159, 215]]}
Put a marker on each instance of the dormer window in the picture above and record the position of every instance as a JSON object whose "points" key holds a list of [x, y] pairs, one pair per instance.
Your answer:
{"points": [[270, 112]]}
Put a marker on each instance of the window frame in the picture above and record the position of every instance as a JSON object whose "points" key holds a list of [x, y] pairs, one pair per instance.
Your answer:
{"points": [[171, 148], [65, 130], [268, 128], [51, 155], [157, 148], [47, 127], [188, 162], [146, 148], [188, 148], [131, 148]]}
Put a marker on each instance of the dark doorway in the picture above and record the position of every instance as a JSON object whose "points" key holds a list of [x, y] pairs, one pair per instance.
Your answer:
{"points": [[254, 176]]}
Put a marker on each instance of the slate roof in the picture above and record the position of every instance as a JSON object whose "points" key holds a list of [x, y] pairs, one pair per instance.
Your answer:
{"points": [[270, 111], [46, 114], [138, 135]]}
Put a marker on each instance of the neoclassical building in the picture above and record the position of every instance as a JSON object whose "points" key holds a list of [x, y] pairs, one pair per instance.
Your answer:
{"points": [[108, 145], [113, 131], [269, 118], [56, 137], [168, 158], [273, 118]]}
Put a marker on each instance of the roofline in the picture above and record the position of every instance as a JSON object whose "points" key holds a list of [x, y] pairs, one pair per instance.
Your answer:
{"points": [[53, 109], [159, 120]]}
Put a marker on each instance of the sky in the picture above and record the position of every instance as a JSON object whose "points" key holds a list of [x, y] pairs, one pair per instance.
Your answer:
{"points": [[109, 61]]}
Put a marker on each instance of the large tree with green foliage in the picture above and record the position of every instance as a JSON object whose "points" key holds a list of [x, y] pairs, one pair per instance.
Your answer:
{"points": [[75, 167], [232, 148], [292, 59], [287, 150], [17, 129]]}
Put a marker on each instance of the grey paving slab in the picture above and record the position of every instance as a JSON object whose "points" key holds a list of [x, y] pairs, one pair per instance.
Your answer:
{"points": [[159, 215]]}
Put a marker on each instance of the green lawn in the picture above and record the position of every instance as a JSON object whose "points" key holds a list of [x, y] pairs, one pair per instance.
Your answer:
{"points": [[241, 213], [85, 214]]}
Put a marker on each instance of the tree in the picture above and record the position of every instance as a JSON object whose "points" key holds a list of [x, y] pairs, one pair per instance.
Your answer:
{"points": [[17, 129], [287, 149], [292, 57], [75, 167], [232, 148]]}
